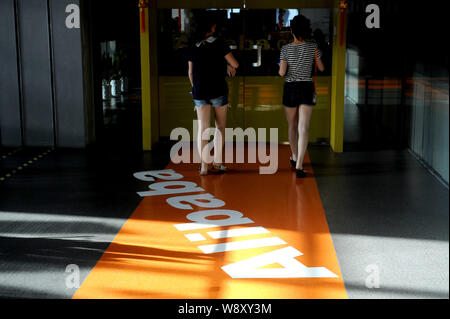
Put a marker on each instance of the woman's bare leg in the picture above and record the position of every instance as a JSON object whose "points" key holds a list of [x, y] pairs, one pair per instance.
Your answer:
{"points": [[204, 120], [221, 124], [292, 118], [304, 118]]}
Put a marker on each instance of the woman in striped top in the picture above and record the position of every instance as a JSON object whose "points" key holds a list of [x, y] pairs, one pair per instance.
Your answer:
{"points": [[296, 62]]}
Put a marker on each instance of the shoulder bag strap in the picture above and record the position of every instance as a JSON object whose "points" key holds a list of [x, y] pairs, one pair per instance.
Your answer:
{"points": [[315, 70]]}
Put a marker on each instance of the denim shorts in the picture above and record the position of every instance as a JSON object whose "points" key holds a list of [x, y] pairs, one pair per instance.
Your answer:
{"points": [[216, 102]]}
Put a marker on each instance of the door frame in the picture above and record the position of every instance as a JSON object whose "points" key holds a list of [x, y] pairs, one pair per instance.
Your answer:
{"points": [[149, 70]]}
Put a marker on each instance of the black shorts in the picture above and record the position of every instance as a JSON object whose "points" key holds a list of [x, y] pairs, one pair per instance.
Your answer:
{"points": [[298, 93]]}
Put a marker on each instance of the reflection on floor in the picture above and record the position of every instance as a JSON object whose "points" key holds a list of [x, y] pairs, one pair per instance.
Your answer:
{"points": [[122, 122], [369, 127]]}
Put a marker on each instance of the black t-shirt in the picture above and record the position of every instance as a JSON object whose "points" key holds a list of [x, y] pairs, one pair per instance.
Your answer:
{"points": [[209, 68]]}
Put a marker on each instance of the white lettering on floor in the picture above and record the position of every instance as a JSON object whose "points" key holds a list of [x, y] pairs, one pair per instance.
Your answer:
{"points": [[247, 268]]}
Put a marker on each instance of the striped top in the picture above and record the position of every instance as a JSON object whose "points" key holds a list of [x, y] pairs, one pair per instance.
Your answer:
{"points": [[300, 59]]}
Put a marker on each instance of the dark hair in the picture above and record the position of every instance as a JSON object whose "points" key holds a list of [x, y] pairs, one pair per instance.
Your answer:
{"points": [[203, 26], [301, 27]]}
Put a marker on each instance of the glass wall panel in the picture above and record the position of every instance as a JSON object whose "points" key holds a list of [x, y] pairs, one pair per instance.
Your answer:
{"points": [[397, 87], [255, 37], [428, 98]]}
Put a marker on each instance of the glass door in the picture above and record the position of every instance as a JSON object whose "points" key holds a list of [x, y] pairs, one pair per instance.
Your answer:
{"points": [[265, 31], [255, 37], [176, 31]]}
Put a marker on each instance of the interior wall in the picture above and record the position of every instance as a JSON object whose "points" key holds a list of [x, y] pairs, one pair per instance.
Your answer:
{"points": [[428, 99], [398, 78], [36, 73], [42, 89], [10, 112]]}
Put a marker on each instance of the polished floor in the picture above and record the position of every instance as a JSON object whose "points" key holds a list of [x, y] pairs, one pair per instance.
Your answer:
{"points": [[378, 221], [248, 229]]}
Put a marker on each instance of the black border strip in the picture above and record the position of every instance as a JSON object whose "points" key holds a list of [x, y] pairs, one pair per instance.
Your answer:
{"points": [[19, 70], [52, 74]]}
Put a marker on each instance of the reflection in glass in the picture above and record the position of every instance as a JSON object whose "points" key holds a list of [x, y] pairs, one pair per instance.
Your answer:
{"points": [[255, 37], [245, 31]]}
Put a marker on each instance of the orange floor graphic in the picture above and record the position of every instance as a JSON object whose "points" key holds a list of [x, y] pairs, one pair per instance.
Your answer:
{"points": [[237, 235]]}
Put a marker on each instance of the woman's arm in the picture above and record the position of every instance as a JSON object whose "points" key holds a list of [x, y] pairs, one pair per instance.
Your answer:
{"points": [[231, 71], [191, 73], [231, 60], [283, 68], [320, 65]]}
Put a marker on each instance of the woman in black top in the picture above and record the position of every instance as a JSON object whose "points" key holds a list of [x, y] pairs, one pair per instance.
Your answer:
{"points": [[209, 60], [296, 62]]}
